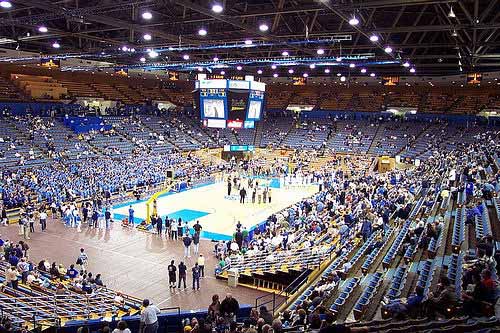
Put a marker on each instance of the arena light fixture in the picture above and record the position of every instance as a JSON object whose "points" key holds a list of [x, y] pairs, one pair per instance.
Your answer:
{"points": [[124, 48], [222, 73], [339, 59], [200, 69], [273, 67], [263, 27], [363, 70], [259, 71], [153, 54], [275, 75], [216, 59], [320, 51], [353, 21], [327, 71], [372, 74], [217, 8], [305, 75], [5, 4], [388, 49], [285, 53], [142, 59], [342, 78], [338, 74], [147, 15], [43, 29], [451, 14], [290, 71], [312, 66], [454, 33], [406, 64], [374, 38], [185, 57], [147, 37], [351, 65], [248, 42], [412, 70], [202, 32], [239, 68], [56, 45]]}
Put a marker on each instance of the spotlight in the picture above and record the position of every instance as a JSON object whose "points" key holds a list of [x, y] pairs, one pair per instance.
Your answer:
{"points": [[327, 71], [200, 69], [338, 74], [273, 67], [363, 70], [406, 64], [259, 71], [285, 54], [372, 74], [216, 59], [454, 33], [305, 75], [338, 59], [124, 48], [263, 27], [222, 73], [5, 4], [388, 49], [312, 66], [202, 32], [353, 21], [153, 54], [451, 13], [352, 65], [142, 59], [147, 15], [412, 70], [56, 45], [374, 38], [342, 78], [275, 75], [147, 37], [290, 71], [217, 8], [43, 29], [185, 57], [248, 42], [320, 51], [239, 68]]}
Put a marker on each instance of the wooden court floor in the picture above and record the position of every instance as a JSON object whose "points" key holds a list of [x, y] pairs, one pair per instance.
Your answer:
{"points": [[131, 261]]}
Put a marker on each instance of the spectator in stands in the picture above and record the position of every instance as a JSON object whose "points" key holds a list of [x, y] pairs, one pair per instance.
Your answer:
{"points": [[214, 308], [398, 307], [266, 315], [149, 319], [445, 298], [122, 327], [11, 277], [229, 307]]}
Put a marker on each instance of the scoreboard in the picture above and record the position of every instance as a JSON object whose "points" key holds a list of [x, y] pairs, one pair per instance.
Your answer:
{"points": [[230, 103]]}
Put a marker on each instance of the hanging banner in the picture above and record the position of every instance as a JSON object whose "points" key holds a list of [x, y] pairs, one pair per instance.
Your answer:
{"points": [[50, 63]]}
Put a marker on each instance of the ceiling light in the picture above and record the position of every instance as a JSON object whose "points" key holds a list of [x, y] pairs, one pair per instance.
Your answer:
{"points": [[454, 33], [147, 15], [305, 75], [5, 4], [263, 27], [216, 8], [372, 74], [56, 45], [259, 71], [132, 50], [374, 38], [142, 59], [312, 66], [285, 54], [153, 54], [388, 49], [202, 32], [185, 57], [147, 37], [342, 78], [412, 70], [363, 70], [43, 29], [451, 13], [216, 59], [222, 73], [352, 65], [338, 74], [320, 51], [200, 69], [248, 42], [353, 21], [327, 71], [239, 68], [124, 48], [290, 71], [275, 75], [273, 66], [406, 64], [461, 69], [338, 59]]}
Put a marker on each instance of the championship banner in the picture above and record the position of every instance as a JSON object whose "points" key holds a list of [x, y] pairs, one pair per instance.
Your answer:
{"points": [[474, 78], [299, 81], [390, 80], [50, 63], [173, 76], [121, 71]]}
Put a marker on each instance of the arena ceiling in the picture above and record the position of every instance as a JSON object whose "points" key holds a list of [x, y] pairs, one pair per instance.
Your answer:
{"points": [[435, 37]]}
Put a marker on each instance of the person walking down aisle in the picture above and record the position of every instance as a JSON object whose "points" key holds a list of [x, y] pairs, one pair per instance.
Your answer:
{"points": [[149, 317], [182, 274], [196, 276], [172, 273]]}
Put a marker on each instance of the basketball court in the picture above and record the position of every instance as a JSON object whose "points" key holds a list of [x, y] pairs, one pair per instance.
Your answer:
{"points": [[217, 212]]}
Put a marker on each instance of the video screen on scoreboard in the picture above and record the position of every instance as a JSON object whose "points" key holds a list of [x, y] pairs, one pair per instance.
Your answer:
{"points": [[254, 109], [237, 103], [213, 108]]}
